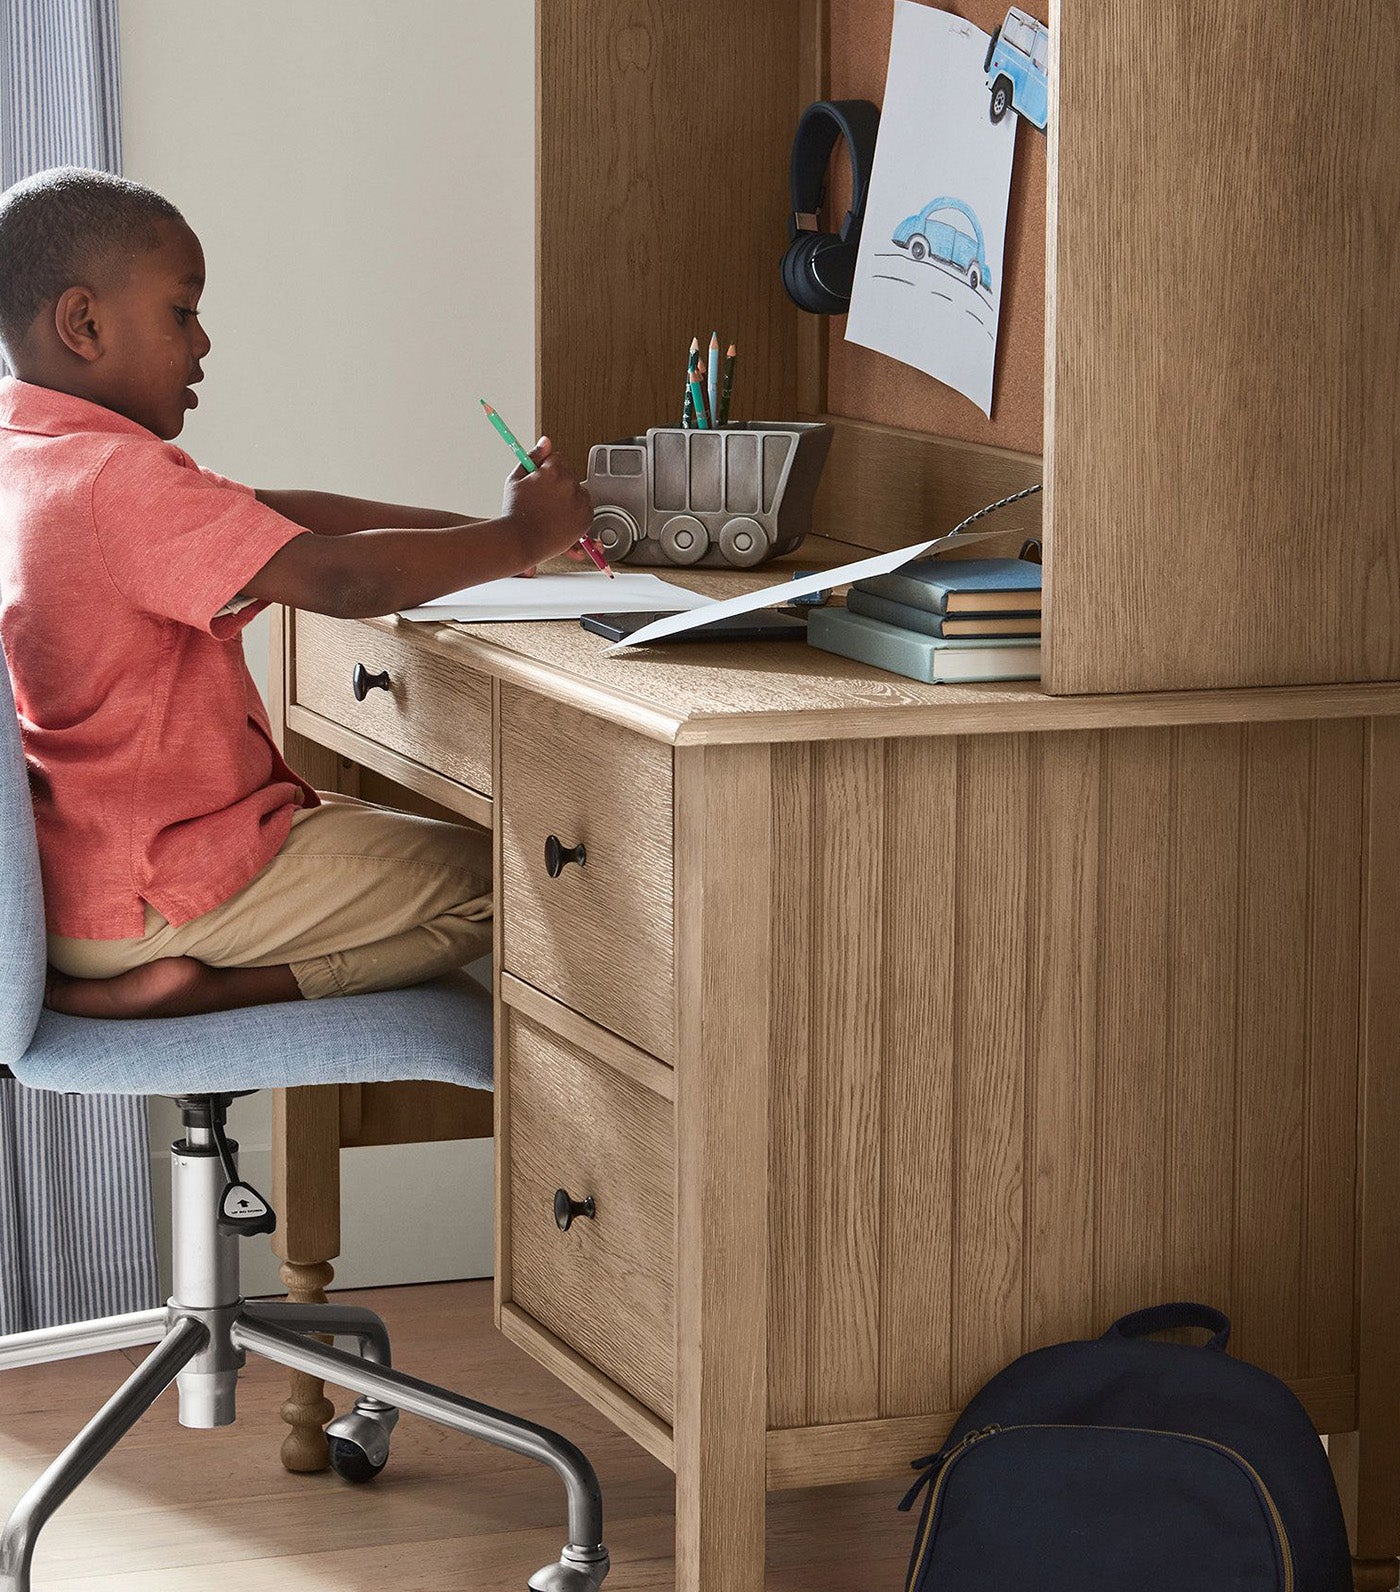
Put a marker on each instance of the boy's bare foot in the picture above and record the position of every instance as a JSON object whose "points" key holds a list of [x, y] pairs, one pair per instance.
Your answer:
{"points": [[175, 986]]}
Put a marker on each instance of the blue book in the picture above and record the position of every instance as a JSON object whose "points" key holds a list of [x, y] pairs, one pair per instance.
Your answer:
{"points": [[961, 586], [950, 625], [935, 659]]}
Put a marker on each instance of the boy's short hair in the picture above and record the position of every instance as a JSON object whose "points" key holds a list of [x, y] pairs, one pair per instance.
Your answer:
{"points": [[55, 225]]}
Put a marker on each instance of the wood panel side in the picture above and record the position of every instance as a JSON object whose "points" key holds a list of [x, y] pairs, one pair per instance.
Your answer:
{"points": [[1134, 1006], [917, 1064], [848, 1037], [1273, 981], [1367, 1461], [1204, 819], [1337, 840], [1062, 1041], [640, 244], [792, 1213], [989, 919], [1224, 464]]}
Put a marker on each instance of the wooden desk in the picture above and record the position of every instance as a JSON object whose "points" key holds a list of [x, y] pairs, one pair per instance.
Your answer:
{"points": [[895, 1030]]}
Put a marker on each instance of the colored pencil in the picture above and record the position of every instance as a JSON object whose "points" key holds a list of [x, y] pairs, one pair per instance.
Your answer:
{"points": [[713, 373], [688, 408], [527, 463], [727, 387], [508, 437], [697, 396]]}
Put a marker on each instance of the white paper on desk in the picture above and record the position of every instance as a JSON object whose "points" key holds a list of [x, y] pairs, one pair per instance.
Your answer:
{"points": [[557, 597], [785, 591]]}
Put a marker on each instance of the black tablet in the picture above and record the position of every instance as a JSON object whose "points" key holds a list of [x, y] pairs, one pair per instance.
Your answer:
{"points": [[763, 624]]}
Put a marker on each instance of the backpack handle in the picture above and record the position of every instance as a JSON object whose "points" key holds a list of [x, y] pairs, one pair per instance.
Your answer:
{"points": [[1161, 1318]]}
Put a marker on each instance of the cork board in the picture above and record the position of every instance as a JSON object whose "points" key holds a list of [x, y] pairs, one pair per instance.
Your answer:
{"points": [[864, 385]]}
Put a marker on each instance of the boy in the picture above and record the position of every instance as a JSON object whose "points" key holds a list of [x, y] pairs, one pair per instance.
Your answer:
{"points": [[186, 868]]}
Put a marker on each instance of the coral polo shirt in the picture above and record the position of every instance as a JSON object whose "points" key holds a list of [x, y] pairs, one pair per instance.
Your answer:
{"points": [[151, 762]]}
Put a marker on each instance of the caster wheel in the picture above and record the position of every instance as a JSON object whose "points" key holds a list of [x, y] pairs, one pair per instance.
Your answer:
{"points": [[350, 1462]]}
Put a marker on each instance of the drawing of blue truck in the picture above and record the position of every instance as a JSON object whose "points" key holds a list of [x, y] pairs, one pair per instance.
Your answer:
{"points": [[928, 236], [1017, 55]]}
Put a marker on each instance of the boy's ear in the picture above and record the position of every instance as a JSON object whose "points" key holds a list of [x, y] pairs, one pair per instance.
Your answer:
{"points": [[75, 320]]}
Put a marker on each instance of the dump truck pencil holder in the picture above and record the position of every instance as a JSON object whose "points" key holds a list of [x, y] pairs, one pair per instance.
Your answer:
{"points": [[733, 495]]}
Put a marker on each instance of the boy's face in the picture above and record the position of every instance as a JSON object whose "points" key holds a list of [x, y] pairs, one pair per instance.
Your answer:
{"points": [[151, 339]]}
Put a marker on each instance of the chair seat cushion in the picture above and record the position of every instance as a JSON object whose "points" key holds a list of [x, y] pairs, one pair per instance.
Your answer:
{"points": [[441, 1031]]}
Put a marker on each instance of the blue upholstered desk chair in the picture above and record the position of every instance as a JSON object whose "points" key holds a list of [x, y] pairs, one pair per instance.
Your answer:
{"points": [[439, 1031]]}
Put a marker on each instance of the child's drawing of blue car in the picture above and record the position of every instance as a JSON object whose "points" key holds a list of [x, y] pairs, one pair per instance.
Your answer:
{"points": [[1015, 68], [946, 242]]}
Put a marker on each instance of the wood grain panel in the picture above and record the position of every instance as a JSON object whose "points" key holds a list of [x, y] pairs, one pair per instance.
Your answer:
{"points": [[434, 713], [600, 937], [722, 1166], [1225, 347], [847, 1076], [990, 925], [1204, 820], [642, 245], [918, 1065], [1367, 1460], [883, 488], [1062, 1049], [1273, 984], [1135, 999], [1334, 927], [790, 1205], [606, 1287]]}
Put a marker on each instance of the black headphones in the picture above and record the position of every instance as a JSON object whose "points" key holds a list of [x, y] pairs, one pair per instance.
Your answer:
{"points": [[819, 267]]}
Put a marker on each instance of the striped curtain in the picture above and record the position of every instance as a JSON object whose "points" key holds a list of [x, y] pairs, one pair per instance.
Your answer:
{"points": [[76, 1239]]}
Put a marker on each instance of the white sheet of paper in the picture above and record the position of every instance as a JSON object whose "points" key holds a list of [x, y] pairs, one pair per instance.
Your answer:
{"points": [[785, 591], [557, 597], [941, 183]]}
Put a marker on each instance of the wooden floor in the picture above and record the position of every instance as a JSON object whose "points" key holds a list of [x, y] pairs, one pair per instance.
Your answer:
{"points": [[181, 1511]]}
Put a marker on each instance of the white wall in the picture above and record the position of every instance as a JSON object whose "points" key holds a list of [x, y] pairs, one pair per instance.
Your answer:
{"points": [[361, 176]]}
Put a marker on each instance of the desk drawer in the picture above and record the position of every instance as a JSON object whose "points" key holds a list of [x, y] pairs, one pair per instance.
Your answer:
{"points": [[605, 1286], [599, 937], [434, 711]]}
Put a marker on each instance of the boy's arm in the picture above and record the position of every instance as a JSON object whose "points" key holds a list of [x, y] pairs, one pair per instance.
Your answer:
{"points": [[330, 514], [358, 573]]}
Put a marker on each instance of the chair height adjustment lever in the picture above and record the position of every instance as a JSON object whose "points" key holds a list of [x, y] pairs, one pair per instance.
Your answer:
{"points": [[242, 1210]]}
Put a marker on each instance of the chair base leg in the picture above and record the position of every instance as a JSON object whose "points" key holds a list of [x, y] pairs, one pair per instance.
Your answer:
{"points": [[186, 1338], [210, 1343], [584, 1562], [81, 1338]]}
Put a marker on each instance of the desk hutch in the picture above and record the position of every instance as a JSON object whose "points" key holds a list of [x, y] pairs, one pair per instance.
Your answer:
{"points": [[896, 1029]]}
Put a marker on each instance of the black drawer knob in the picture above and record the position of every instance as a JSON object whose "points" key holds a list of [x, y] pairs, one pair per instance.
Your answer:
{"points": [[557, 855], [362, 682], [566, 1209]]}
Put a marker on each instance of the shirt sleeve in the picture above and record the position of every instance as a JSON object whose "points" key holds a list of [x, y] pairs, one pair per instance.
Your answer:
{"points": [[180, 542]]}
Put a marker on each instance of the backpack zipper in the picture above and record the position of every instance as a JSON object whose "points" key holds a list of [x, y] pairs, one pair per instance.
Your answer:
{"points": [[972, 1438]]}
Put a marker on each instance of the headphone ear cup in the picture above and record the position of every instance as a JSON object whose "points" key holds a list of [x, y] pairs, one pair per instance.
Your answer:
{"points": [[832, 268], [814, 268], [796, 274]]}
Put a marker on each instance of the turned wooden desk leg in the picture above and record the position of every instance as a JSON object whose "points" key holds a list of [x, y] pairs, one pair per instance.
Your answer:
{"points": [[306, 1196], [721, 1415]]}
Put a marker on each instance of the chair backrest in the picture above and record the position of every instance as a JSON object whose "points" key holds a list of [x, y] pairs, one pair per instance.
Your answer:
{"points": [[23, 954]]}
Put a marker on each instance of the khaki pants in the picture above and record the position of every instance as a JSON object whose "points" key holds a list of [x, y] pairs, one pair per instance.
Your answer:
{"points": [[359, 898]]}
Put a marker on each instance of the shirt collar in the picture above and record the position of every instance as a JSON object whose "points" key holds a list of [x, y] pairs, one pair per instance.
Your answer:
{"points": [[50, 413]]}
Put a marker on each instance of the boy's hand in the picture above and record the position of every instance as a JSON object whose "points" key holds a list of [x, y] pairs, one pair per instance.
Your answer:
{"points": [[550, 506]]}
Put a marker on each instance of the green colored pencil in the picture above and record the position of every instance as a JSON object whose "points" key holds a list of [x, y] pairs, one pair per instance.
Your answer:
{"points": [[726, 388], [508, 437], [697, 397]]}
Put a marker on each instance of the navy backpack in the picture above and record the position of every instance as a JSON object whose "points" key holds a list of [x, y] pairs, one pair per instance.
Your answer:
{"points": [[1122, 1463]]}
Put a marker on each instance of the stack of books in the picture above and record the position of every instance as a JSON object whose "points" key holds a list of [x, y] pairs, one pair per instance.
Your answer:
{"points": [[946, 621]]}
